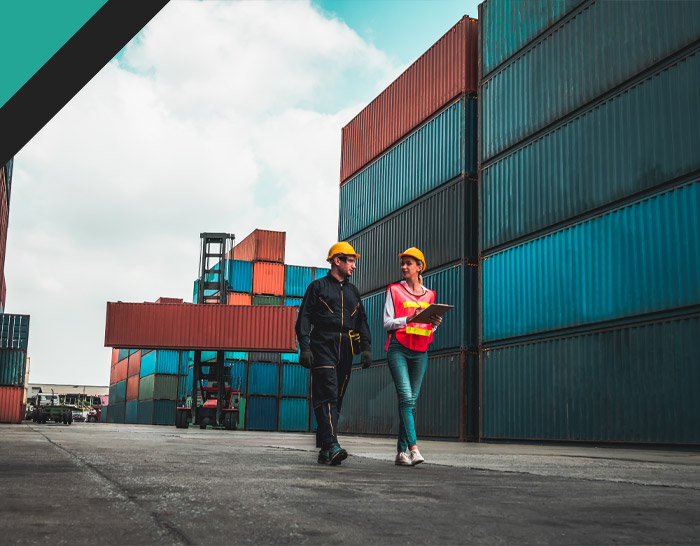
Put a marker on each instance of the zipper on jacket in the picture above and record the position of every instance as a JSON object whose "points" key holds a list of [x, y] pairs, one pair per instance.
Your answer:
{"points": [[324, 303], [356, 308]]}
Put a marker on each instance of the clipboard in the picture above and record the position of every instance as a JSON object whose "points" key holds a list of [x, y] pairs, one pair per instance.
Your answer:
{"points": [[431, 311]]}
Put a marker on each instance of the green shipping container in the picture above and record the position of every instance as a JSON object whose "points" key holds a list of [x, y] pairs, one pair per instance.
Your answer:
{"points": [[268, 300], [158, 387]]}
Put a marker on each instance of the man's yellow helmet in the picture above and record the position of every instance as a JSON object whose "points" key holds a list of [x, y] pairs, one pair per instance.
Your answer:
{"points": [[341, 248]]}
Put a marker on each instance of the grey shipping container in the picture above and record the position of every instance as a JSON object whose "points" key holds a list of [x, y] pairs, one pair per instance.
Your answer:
{"points": [[633, 383], [577, 61], [645, 135]]}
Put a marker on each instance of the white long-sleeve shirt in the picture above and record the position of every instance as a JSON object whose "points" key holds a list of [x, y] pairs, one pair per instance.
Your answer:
{"points": [[391, 321]]}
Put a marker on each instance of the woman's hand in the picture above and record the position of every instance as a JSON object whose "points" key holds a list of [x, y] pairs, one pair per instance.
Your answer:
{"points": [[435, 320]]}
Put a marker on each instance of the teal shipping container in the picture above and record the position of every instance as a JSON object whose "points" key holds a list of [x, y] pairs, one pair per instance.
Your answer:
{"points": [[442, 224], [454, 285], [14, 331], [123, 353], [104, 414], [632, 383], [117, 393], [294, 415], [261, 413], [263, 378], [297, 279], [235, 355], [157, 412], [289, 357], [551, 79], [439, 151], [131, 411], [240, 276], [293, 302], [184, 362], [505, 26], [12, 367], [237, 372], [295, 380], [161, 362], [116, 412], [637, 259], [320, 272], [638, 138]]}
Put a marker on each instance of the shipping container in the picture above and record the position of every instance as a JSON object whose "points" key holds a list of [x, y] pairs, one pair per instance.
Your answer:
{"points": [[320, 272], [169, 300], [131, 411], [371, 404], [115, 356], [104, 415], [295, 380], [505, 26], [132, 387], [134, 366], [289, 357], [187, 327], [639, 138], [11, 409], [123, 353], [117, 393], [12, 367], [440, 151], [240, 276], [443, 225], [293, 302], [121, 370], [297, 279], [255, 356], [158, 387], [157, 412], [14, 330], [236, 355], [184, 362], [237, 372], [640, 258], [238, 298], [633, 383], [117, 412], [454, 285], [161, 362], [184, 387], [268, 278], [261, 245], [552, 78], [294, 415], [263, 378], [261, 413], [267, 300], [447, 70]]}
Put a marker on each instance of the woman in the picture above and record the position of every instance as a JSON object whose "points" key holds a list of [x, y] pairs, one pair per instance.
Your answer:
{"points": [[407, 347]]}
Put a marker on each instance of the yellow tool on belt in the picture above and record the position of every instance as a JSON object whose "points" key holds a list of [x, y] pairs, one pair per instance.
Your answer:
{"points": [[355, 341]]}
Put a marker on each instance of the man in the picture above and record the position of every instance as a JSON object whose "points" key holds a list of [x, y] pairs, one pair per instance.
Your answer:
{"points": [[330, 311]]}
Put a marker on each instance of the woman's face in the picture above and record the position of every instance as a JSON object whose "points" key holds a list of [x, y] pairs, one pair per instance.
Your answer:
{"points": [[410, 268]]}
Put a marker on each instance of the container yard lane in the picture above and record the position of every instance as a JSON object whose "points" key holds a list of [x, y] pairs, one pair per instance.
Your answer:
{"points": [[131, 484]]}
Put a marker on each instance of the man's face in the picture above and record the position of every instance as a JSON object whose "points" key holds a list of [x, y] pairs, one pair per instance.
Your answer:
{"points": [[346, 265]]}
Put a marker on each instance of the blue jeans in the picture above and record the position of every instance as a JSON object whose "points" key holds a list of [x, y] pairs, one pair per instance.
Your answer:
{"points": [[407, 368]]}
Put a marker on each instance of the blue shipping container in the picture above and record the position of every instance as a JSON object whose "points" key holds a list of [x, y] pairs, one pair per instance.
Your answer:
{"points": [[293, 302], [321, 272], [297, 279], [237, 373], [640, 258], [295, 380], [117, 392], [439, 151], [12, 367], [294, 414], [161, 362], [157, 412], [261, 413], [263, 378], [289, 357], [131, 411], [240, 276]]}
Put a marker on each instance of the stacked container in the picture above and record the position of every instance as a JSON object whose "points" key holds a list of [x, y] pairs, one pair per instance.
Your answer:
{"points": [[158, 387], [589, 230], [14, 338], [5, 187], [408, 178], [118, 376]]}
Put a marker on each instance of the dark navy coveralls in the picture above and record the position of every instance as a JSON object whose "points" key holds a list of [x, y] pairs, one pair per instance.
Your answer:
{"points": [[329, 310]]}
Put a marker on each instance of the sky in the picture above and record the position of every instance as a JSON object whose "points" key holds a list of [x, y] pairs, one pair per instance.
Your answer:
{"points": [[218, 116]]}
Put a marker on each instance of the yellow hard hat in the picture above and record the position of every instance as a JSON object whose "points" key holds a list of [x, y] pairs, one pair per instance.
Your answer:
{"points": [[413, 252], [342, 248]]}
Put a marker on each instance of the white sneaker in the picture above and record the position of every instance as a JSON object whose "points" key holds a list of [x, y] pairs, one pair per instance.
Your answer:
{"points": [[403, 459], [416, 457]]}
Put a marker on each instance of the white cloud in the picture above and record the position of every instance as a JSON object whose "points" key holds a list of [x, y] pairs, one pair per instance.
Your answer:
{"points": [[219, 117]]}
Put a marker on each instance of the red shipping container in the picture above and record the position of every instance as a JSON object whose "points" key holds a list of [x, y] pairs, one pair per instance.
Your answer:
{"points": [[115, 356], [267, 246], [132, 388], [447, 70], [238, 298], [112, 374], [169, 300], [11, 409], [134, 367], [121, 370], [206, 327], [268, 278]]}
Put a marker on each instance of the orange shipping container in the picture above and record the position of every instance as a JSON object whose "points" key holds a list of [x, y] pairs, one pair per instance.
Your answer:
{"points": [[121, 370], [132, 388], [11, 410], [115, 356], [238, 298], [264, 245], [268, 278], [134, 367], [112, 374]]}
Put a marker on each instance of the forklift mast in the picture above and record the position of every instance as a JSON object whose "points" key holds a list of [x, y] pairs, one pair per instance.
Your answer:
{"points": [[212, 286]]}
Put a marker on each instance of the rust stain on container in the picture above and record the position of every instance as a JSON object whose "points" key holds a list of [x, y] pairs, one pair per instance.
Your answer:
{"points": [[264, 245], [268, 278], [208, 327], [446, 70], [238, 298], [11, 409]]}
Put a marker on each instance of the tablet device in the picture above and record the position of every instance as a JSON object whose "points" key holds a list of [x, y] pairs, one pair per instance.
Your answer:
{"points": [[431, 311]]}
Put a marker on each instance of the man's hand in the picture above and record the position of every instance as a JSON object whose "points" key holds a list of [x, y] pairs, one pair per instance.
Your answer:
{"points": [[366, 359], [306, 358]]}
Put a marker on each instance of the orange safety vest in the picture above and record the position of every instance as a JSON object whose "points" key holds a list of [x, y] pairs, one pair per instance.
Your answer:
{"points": [[415, 336]]}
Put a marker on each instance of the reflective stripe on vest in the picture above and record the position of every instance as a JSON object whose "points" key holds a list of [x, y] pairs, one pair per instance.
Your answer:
{"points": [[415, 336], [418, 331]]}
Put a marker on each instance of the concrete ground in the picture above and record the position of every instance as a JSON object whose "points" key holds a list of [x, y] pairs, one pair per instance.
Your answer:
{"points": [[130, 484]]}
